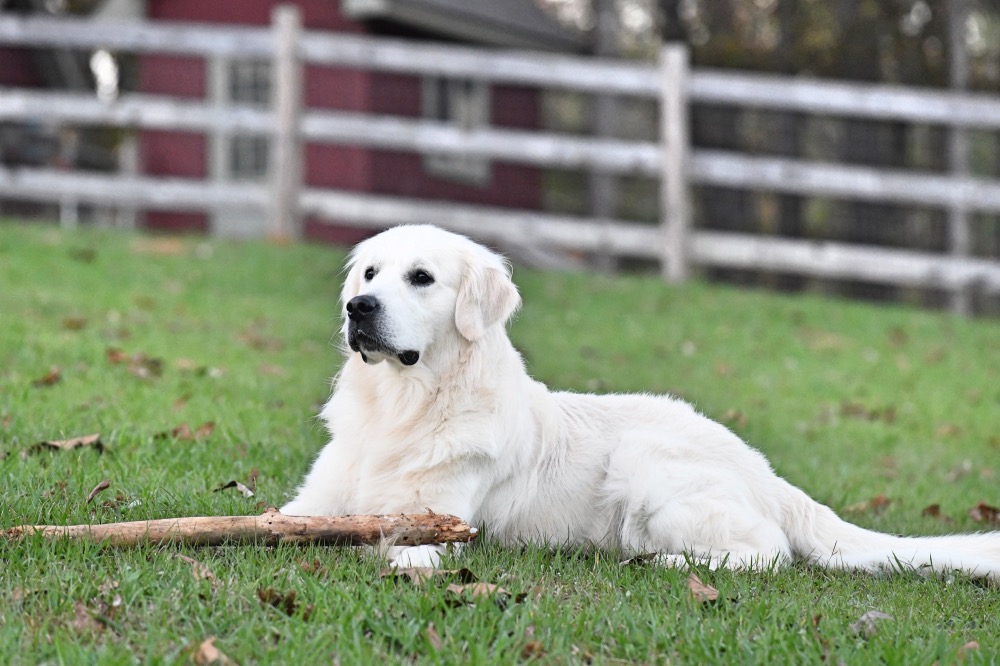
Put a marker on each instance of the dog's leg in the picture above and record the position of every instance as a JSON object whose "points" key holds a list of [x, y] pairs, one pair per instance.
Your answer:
{"points": [[421, 556]]}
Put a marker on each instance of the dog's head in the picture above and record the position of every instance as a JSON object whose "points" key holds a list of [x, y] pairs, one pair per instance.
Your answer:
{"points": [[413, 290]]}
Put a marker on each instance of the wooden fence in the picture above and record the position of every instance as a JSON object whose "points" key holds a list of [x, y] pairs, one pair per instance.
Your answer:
{"points": [[674, 243]]}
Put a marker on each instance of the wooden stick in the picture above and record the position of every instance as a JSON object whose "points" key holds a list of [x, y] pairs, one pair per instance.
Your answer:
{"points": [[269, 528]]}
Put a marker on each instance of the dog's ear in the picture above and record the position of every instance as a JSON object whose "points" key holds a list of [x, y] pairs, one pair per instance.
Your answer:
{"points": [[486, 295]]}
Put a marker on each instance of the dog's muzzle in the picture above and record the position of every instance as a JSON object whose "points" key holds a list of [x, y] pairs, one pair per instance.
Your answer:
{"points": [[363, 333]]}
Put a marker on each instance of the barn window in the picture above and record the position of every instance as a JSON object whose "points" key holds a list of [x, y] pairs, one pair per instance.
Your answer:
{"points": [[249, 83], [235, 156], [464, 103], [245, 82]]}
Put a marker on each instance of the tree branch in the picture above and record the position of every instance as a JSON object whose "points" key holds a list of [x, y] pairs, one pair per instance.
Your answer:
{"points": [[269, 528]]}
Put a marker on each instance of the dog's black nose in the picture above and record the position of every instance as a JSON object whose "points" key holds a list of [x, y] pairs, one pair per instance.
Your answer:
{"points": [[360, 307]]}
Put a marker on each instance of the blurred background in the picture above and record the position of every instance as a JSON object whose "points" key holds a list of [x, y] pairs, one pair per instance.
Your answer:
{"points": [[850, 147]]}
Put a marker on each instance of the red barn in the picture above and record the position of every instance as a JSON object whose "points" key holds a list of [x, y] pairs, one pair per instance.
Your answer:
{"points": [[512, 23]]}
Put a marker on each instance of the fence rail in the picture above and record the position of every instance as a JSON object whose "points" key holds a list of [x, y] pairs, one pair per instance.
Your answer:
{"points": [[671, 159]]}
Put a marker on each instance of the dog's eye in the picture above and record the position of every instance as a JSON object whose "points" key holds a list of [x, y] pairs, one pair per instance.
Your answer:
{"points": [[421, 278], [369, 274]]}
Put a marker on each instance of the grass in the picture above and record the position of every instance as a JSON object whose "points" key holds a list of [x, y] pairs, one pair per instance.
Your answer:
{"points": [[849, 401]]}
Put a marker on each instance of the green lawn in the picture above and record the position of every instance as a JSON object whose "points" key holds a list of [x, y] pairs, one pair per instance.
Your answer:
{"points": [[131, 337]]}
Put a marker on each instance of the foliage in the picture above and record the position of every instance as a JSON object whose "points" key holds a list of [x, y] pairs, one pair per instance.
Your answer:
{"points": [[133, 337]]}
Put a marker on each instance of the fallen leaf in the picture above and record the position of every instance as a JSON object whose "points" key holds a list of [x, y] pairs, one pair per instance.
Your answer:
{"points": [[246, 492], [145, 367], [984, 513], [968, 647], [182, 401], [699, 591], [853, 409], [160, 247], [822, 341], [184, 432], [948, 430], [931, 511], [73, 443], [432, 637], [100, 487], [261, 342], [83, 621], [283, 602], [139, 364], [478, 590], [898, 336], [959, 472], [209, 655], [642, 558], [53, 376], [421, 575], [83, 254], [315, 567], [74, 323], [271, 370], [114, 355], [532, 650], [865, 626], [875, 505], [198, 570], [735, 417]]}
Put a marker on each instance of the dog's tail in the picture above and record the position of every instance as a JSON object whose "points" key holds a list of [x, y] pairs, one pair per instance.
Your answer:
{"points": [[818, 535]]}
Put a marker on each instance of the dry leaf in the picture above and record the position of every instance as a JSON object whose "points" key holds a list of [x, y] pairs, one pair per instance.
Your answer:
{"points": [[139, 364], [734, 417], [853, 409], [74, 323], [114, 355], [198, 570], [699, 591], [865, 626], [161, 247], [876, 505], [984, 513], [971, 645], [209, 655], [421, 575], [73, 443], [948, 430], [102, 486], [478, 590], [184, 432], [145, 367], [432, 637], [315, 567], [283, 602], [642, 558], [532, 650], [931, 511], [821, 341], [246, 492], [53, 376], [83, 621]]}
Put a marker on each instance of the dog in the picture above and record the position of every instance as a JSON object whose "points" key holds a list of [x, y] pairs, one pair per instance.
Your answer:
{"points": [[433, 410]]}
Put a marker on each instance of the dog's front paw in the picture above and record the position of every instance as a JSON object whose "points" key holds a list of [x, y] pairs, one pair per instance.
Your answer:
{"points": [[407, 557]]}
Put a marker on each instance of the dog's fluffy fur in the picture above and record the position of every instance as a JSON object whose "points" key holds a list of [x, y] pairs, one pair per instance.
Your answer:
{"points": [[436, 411]]}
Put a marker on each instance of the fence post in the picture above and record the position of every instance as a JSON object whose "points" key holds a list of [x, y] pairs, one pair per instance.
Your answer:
{"points": [[286, 151], [675, 139], [959, 225]]}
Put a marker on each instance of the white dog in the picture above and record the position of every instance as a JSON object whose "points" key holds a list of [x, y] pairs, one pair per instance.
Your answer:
{"points": [[435, 410]]}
